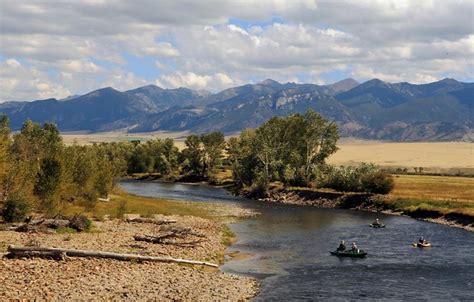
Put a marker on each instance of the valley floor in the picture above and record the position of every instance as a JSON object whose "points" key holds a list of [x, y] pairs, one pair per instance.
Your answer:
{"points": [[433, 157]]}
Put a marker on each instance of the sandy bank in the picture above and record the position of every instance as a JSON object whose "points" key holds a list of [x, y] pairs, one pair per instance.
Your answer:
{"points": [[100, 279]]}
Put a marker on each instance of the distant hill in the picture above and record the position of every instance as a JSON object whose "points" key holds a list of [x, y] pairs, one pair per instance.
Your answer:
{"points": [[374, 109]]}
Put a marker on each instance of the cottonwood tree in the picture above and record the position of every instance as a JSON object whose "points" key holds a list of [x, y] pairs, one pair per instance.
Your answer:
{"points": [[47, 183], [192, 156], [213, 146], [289, 149], [319, 138]]}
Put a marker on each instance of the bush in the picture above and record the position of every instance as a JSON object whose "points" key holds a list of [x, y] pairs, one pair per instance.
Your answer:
{"points": [[378, 182], [121, 210], [80, 223], [363, 178], [15, 209]]}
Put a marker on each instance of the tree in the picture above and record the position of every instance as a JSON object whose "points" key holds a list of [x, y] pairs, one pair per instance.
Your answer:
{"points": [[193, 156], [290, 149], [270, 143], [320, 138], [5, 161], [140, 161], [242, 155], [213, 146], [47, 183]]}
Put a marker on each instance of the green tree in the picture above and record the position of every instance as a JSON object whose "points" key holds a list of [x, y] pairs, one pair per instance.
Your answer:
{"points": [[47, 183], [5, 161], [192, 155], [140, 161], [319, 138], [213, 146]]}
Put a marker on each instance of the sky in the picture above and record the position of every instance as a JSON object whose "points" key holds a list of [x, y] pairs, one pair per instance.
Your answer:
{"points": [[62, 48]]}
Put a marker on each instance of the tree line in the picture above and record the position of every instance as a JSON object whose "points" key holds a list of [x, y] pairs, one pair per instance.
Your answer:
{"points": [[293, 150], [39, 172]]}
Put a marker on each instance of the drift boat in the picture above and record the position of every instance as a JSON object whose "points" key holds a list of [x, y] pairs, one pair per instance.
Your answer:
{"points": [[418, 244], [349, 253], [376, 226]]}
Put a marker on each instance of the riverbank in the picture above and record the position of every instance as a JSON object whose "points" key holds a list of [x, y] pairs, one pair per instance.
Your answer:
{"points": [[90, 279], [444, 200], [373, 203]]}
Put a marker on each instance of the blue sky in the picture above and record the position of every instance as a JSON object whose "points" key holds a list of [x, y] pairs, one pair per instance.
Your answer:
{"points": [[66, 48]]}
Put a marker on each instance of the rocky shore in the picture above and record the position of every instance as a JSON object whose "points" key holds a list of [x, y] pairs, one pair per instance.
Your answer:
{"points": [[364, 202], [105, 279]]}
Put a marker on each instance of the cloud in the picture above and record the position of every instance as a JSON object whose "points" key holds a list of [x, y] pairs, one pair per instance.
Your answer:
{"points": [[197, 81], [78, 46], [16, 79]]}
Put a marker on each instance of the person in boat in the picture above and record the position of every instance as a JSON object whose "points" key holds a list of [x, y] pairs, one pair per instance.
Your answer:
{"points": [[354, 248], [376, 222], [342, 246], [422, 240]]}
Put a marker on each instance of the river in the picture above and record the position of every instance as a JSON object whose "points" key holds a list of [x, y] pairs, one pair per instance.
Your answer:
{"points": [[290, 247]]}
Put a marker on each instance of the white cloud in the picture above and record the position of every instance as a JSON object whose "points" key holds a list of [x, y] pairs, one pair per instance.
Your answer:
{"points": [[124, 81], [192, 43], [23, 82], [197, 81]]}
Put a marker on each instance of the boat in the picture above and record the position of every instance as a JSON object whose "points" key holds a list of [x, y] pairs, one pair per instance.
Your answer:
{"points": [[376, 226], [349, 253], [418, 244]]}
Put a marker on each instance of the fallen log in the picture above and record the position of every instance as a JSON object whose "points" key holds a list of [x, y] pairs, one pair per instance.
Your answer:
{"points": [[34, 251], [179, 231], [153, 239], [42, 225], [162, 239], [150, 220]]}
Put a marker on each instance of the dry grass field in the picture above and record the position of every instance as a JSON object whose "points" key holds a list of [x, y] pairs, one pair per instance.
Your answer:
{"points": [[432, 156], [434, 187], [445, 194], [82, 138]]}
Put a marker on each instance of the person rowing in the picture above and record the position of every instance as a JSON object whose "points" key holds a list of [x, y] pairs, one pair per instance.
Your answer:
{"points": [[376, 222], [342, 246], [422, 240], [354, 248]]}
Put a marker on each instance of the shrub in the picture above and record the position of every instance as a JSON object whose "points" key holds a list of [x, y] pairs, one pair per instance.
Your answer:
{"points": [[378, 182], [80, 223], [363, 178], [122, 209], [15, 209]]}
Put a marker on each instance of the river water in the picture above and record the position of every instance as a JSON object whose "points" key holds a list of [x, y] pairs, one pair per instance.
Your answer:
{"points": [[290, 247]]}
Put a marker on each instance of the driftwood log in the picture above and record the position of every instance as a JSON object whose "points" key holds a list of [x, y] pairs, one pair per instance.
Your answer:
{"points": [[150, 220], [58, 253], [167, 234], [163, 239], [42, 225]]}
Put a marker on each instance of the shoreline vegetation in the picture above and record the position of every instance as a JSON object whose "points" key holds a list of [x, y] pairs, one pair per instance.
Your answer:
{"points": [[284, 160], [454, 212]]}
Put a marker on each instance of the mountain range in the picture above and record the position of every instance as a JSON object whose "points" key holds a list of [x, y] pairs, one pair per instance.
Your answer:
{"points": [[438, 111]]}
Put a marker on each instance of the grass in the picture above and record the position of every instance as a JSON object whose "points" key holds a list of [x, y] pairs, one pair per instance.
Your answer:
{"points": [[228, 237], [433, 193], [434, 157], [445, 194], [122, 202], [440, 188]]}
